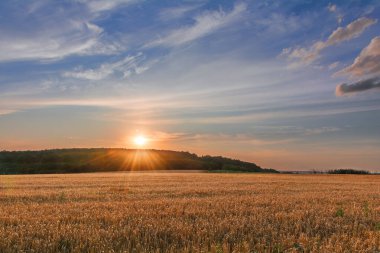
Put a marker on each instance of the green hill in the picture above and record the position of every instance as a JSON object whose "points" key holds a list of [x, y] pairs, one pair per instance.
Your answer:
{"points": [[104, 159]]}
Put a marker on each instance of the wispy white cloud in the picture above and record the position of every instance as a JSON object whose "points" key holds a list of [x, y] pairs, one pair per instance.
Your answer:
{"points": [[321, 130], [176, 12], [128, 66], [331, 7], [334, 65], [13, 105], [279, 23], [56, 33], [90, 74], [104, 5], [73, 37], [204, 24], [301, 56], [6, 111]]}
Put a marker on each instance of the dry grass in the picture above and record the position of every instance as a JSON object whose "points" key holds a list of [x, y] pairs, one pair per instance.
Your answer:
{"points": [[190, 212]]}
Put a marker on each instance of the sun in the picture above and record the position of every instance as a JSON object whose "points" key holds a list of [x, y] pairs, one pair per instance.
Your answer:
{"points": [[140, 140]]}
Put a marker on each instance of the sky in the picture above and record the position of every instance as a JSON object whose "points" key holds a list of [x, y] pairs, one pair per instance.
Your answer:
{"points": [[289, 85]]}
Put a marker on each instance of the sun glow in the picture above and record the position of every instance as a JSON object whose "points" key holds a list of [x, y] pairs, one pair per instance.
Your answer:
{"points": [[140, 140]]}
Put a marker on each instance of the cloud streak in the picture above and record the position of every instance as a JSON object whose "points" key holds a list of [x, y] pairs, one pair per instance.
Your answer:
{"points": [[204, 24], [239, 138], [104, 5], [176, 12], [127, 66]]}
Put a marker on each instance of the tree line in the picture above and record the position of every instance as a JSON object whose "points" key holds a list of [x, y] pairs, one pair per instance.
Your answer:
{"points": [[104, 159]]}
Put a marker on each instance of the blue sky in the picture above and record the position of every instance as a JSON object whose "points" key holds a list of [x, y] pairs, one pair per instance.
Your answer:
{"points": [[286, 84]]}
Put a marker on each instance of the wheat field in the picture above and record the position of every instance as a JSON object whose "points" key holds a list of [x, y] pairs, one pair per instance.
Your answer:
{"points": [[189, 212]]}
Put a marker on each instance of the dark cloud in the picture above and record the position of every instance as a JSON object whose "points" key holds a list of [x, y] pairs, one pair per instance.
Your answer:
{"points": [[362, 85]]}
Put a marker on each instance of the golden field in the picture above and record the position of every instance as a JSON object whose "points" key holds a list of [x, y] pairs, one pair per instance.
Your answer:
{"points": [[189, 212]]}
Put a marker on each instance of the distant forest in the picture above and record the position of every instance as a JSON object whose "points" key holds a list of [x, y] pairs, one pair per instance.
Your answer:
{"points": [[103, 159], [348, 171]]}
